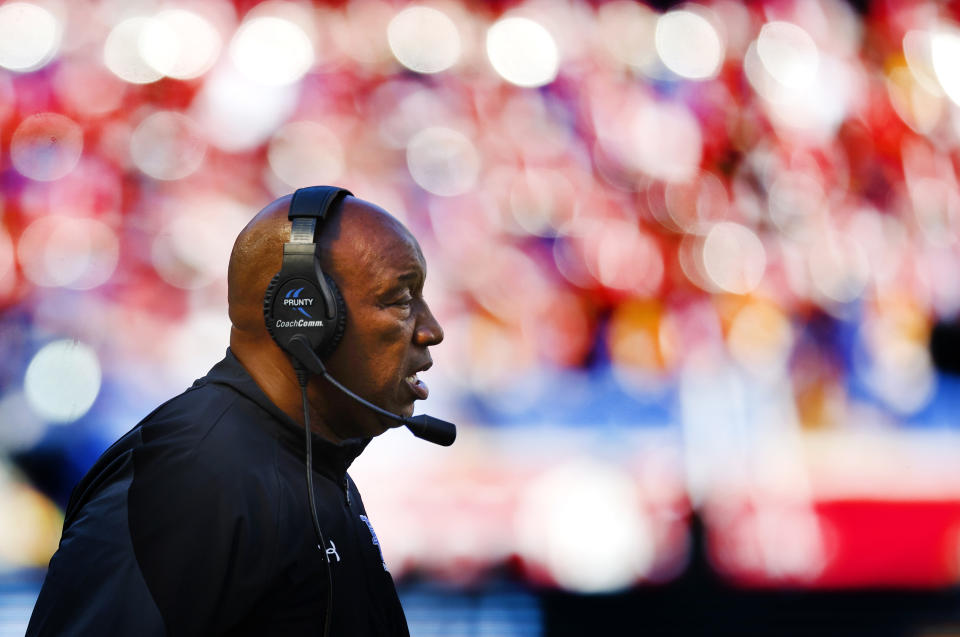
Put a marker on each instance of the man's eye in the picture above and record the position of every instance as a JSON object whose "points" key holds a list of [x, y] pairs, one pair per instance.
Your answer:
{"points": [[404, 302]]}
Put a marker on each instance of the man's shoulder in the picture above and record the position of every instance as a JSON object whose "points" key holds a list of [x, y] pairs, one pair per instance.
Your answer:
{"points": [[193, 415], [209, 426], [209, 429]]}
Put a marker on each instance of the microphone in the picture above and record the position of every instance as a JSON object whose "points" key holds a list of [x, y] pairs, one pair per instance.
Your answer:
{"points": [[439, 432]]}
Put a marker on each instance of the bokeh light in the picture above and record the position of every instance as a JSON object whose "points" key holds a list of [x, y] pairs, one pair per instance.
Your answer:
{"points": [[903, 377], [918, 55], [67, 251], [272, 50], [46, 146], [665, 140], [944, 51], [761, 339], [733, 257], [20, 427], [919, 108], [62, 381], [29, 36], [443, 161], [688, 44], [167, 145], [628, 32], [122, 52], [523, 52], [788, 54], [305, 153], [586, 500], [88, 87], [179, 43], [193, 247], [620, 256], [236, 113], [839, 270], [424, 39], [27, 544]]}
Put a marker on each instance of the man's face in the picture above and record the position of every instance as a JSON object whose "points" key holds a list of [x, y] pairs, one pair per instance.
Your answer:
{"points": [[389, 328]]}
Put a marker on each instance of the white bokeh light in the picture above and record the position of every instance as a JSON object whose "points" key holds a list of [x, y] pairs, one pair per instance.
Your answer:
{"points": [[582, 522], [628, 32], [305, 153], [193, 248], [917, 53], [424, 39], [46, 146], [20, 428], [271, 50], [167, 146], [665, 141], [443, 161], [179, 43], [234, 111], [945, 52], [689, 45], [122, 53], [62, 381], [70, 252], [734, 258], [788, 54], [29, 36], [523, 52], [807, 93]]}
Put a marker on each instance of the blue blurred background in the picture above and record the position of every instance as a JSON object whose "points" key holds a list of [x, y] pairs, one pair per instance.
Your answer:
{"points": [[696, 263]]}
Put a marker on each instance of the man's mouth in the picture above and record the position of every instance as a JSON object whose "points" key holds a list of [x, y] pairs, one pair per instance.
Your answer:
{"points": [[417, 386]]}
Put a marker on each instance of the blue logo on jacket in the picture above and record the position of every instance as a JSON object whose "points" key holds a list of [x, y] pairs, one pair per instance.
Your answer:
{"points": [[376, 542]]}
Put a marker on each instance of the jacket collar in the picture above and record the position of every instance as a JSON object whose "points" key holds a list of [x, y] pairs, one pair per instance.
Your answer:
{"points": [[329, 458]]}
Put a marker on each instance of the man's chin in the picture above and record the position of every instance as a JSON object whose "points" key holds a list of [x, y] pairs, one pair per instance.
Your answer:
{"points": [[381, 425], [390, 423]]}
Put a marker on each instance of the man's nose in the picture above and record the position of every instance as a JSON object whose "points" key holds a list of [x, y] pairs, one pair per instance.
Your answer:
{"points": [[428, 331]]}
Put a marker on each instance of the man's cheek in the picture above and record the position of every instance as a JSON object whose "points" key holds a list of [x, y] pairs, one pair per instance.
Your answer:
{"points": [[398, 334]]}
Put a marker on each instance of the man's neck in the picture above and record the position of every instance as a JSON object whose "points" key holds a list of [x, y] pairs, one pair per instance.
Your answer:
{"points": [[271, 370]]}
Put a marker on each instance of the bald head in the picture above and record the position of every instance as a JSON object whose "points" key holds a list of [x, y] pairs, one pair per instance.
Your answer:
{"points": [[349, 236]]}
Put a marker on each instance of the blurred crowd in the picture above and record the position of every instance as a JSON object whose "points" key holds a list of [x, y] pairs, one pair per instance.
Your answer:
{"points": [[687, 259]]}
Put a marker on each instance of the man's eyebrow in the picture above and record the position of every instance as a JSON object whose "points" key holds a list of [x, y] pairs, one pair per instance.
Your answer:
{"points": [[403, 280], [410, 275]]}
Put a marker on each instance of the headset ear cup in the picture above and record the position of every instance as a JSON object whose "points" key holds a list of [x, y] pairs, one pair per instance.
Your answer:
{"points": [[268, 305], [341, 319]]}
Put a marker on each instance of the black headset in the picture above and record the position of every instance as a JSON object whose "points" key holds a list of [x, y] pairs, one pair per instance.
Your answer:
{"points": [[302, 299]]}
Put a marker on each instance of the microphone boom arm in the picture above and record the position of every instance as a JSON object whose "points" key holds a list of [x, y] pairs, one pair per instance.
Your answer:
{"points": [[428, 428]]}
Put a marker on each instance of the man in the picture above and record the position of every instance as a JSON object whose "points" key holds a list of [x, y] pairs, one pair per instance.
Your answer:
{"points": [[197, 521]]}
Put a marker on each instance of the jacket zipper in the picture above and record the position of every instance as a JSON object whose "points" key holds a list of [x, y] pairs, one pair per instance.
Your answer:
{"points": [[346, 492]]}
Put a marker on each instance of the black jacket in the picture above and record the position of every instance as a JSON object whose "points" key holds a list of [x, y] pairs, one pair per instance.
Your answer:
{"points": [[197, 522]]}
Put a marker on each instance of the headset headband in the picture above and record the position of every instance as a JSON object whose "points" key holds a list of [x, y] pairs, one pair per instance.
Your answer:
{"points": [[310, 206]]}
